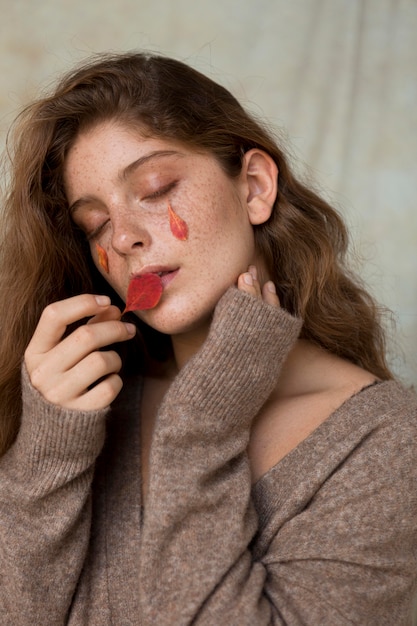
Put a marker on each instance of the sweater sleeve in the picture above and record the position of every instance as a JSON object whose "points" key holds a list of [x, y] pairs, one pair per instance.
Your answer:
{"points": [[339, 537], [199, 521], [339, 532], [45, 480]]}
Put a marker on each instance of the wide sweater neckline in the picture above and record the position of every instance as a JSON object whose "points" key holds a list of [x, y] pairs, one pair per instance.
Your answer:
{"points": [[335, 436], [379, 394]]}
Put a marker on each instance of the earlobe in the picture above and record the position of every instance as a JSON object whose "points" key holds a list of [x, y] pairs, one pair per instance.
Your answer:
{"points": [[261, 178]]}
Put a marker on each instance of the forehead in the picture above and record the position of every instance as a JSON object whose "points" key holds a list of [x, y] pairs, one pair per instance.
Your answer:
{"points": [[112, 139], [111, 149]]}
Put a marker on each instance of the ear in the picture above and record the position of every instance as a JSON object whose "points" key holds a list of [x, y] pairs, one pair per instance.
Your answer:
{"points": [[260, 175]]}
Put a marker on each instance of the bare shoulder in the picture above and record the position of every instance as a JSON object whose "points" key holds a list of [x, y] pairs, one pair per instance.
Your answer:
{"points": [[312, 386]]}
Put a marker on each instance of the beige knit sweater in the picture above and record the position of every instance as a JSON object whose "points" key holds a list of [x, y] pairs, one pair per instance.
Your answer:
{"points": [[328, 536]]}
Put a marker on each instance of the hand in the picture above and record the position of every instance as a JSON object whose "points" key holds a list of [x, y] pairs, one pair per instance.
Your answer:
{"points": [[249, 283], [65, 370]]}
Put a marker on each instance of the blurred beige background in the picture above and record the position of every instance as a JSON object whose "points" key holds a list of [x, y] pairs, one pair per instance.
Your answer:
{"points": [[338, 76]]}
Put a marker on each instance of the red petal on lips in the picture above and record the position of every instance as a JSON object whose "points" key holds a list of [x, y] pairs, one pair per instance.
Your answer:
{"points": [[144, 292], [178, 227]]}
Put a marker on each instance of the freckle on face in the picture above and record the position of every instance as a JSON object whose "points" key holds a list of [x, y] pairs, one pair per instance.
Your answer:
{"points": [[206, 234]]}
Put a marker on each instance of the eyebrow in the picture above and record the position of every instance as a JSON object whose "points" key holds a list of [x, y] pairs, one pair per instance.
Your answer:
{"points": [[155, 154], [128, 171]]}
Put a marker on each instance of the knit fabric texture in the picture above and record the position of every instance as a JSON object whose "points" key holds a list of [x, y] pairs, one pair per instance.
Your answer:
{"points": [[327, 536]]}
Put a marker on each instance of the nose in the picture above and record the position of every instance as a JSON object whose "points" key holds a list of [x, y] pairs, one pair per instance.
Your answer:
{"points": [[128, 234]]}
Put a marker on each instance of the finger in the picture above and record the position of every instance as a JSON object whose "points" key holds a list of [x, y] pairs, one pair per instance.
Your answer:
{"points": [[58, 315], [100, 396], [253, 272], [269, 293], [249, 283], [95, 366], [74, 384], [84, 340], [110, 313]]}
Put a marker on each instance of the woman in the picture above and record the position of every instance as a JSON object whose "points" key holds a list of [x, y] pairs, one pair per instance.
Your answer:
{"points": [[237, 452]]}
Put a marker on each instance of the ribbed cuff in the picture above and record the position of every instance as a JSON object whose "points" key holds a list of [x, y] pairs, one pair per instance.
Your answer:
{"points": [[241, 359], [55, 444]]}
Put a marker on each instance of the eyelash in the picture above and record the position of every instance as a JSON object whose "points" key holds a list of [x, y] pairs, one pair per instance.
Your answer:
{"points": [[159, 193], [94, 233]]}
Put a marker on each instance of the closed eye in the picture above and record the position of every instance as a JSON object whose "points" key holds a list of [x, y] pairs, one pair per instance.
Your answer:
{"points": [[94, 233], [159, 193]]}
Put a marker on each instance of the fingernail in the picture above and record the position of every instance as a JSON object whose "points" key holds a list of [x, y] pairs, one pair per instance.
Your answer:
{"points": [[103, 300], [248, 279], [131, 328], [271, 287]]}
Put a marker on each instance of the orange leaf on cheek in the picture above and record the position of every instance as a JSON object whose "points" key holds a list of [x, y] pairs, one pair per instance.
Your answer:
{"points": [[178, 226], [144, 292], [103, 259]]}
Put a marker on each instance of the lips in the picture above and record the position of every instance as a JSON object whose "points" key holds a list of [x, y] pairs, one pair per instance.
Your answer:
{"points": [[167, 277], [163, 271], [164, 275]]}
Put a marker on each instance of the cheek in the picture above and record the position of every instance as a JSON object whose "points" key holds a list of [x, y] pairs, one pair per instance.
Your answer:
{"points": [[227, 227], [224, 246], [217, 213]]}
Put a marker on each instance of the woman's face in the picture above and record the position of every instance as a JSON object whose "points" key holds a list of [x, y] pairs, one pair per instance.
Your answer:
{"points": [[119, 185]]}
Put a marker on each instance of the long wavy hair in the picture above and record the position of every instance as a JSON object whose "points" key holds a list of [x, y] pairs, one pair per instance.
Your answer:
{"points": [[45, 258]]}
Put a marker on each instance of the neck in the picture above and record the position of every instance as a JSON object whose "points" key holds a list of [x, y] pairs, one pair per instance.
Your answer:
{"points": [[187, 344]]}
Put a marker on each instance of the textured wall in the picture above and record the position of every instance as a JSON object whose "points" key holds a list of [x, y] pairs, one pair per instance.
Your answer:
{"points": [[339, 76]]}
